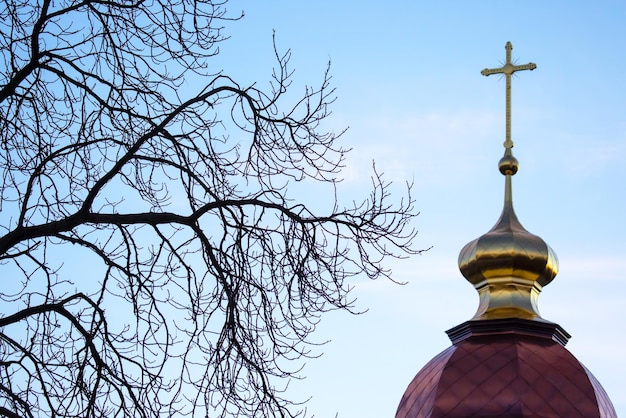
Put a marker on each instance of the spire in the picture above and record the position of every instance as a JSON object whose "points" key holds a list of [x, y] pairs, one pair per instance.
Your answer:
{"points": [[508, 265], [506, 361]]}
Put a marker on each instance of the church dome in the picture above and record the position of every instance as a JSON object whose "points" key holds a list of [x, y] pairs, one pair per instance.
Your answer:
{"points": [[511, 375], [507, 361], [508, 265]]}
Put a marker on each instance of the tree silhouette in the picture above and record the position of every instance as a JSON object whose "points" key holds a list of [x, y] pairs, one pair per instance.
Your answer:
{"points": [[155, 259]]}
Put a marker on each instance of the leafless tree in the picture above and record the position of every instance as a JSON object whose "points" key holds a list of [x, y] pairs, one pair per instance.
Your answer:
{"points": [[155, 259]]}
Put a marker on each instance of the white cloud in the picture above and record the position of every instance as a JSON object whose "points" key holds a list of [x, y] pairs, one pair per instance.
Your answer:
{"points": [[433, 145], [594, 157]]}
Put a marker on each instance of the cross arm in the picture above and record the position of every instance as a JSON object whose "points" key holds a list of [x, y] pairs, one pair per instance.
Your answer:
{"points": [[530, 66], [508, 69], [489, 71]]}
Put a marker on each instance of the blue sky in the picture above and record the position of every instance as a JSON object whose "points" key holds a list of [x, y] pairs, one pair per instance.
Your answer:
{"points": [[409, 87]]}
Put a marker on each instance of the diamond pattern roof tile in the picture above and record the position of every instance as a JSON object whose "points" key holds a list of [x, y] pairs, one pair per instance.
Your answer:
{"points": [[505, 376], [420, 396]]}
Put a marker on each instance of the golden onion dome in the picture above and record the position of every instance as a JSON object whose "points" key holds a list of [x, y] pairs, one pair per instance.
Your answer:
{"points": [[508, 265]]}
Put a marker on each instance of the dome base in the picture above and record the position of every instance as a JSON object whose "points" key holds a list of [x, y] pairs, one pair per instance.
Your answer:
{"points": [[537, 328]]}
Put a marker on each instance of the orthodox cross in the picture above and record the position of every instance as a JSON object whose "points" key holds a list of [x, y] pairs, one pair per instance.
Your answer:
{"points": [[508, 69]]}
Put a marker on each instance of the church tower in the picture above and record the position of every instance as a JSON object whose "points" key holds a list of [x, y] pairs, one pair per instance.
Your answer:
{"points": [[507, 361]]}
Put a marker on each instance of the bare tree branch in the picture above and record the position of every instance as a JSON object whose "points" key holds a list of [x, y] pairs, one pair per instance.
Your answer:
{"points": [[160, 254]]}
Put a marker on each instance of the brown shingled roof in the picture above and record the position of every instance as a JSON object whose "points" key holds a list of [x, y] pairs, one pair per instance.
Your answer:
{"points": [[505, 376]]}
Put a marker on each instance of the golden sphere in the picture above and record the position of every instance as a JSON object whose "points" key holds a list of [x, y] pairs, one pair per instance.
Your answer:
{"points": [[508, 165]]}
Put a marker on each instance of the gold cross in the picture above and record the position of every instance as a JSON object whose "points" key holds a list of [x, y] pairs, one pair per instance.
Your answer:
{"points": [[508, 69]]}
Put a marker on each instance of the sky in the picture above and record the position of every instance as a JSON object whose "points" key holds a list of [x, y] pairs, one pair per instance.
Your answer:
{"points": [[409, 88]]}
